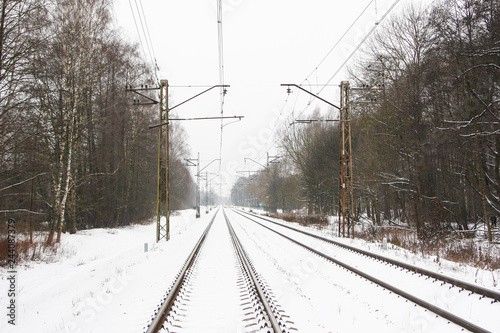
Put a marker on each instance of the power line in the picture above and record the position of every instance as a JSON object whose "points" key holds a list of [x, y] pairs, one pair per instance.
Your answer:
{"points": [[356, 49], [340, 40], [143, 30], [145, 34], [137, 27], [221, 75], [360, 44], [261, 152], [312, 72], [345, 62], [150, 41]]}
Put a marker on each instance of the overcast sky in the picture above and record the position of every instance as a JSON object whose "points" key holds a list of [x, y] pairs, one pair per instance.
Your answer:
{"points": [[266, 43]]}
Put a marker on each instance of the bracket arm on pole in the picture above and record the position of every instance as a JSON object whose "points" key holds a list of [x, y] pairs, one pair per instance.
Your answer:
{"points": [[204, 91], [310, 93]]}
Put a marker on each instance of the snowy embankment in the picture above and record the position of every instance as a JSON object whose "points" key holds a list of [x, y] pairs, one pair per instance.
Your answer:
{"points": [[483, 277], [102, 280]]}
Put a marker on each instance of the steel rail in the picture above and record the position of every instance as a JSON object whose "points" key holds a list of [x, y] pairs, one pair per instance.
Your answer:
{"points": [[443, 313], [162, 314], [458, 283], [248, 268]]}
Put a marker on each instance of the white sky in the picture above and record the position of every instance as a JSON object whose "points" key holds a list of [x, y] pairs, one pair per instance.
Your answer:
{"points": [[266, 43]]}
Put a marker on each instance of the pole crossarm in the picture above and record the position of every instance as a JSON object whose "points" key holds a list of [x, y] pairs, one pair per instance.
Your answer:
{"points": [[309, 121], [204, 91], [206, 166], [190, 161], [204, 176], [137, 91], [310, 93], [249, 172], [272, 159], [248, 158], [141, 89], [210, 118], [202, 118]]}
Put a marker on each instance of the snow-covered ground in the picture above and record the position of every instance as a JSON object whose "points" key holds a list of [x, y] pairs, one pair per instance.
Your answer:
{"points": [[486, 278], [354, 298], [102, 280]]}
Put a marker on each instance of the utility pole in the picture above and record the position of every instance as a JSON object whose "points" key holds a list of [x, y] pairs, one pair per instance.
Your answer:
{"points": [[206, 192], [266, 169], [346, 195], [220, 191], [163, 230], [207, 189], [198, 214], [191, 162], [162, 196]]}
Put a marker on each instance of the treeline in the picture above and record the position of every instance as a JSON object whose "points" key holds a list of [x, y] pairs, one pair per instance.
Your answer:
{"points": [[74, 152], [306, 177], [425, 131]]}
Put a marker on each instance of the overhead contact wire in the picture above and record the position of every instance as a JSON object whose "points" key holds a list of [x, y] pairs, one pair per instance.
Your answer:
{"points": [[320, 63], [221, 76]]}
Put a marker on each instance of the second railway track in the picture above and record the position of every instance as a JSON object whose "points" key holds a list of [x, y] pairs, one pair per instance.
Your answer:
{"points": [[464, 311], [483, 292]]}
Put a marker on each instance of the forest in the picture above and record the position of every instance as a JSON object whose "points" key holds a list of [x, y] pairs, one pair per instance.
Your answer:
{"points": [[75, 153], [425, 130]]}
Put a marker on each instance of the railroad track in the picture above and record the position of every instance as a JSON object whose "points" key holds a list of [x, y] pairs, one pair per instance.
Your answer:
{"points": [[228, 282], [325, 252], [483, 292]]}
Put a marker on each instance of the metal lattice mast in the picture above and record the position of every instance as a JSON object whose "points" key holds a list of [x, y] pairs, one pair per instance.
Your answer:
{"points": [[198, 187], [346, 195], [162, 196], [162, 230]]}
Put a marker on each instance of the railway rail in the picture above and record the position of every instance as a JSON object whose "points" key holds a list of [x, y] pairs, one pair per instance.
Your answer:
{"points": [[483, 292], [261, 311], [439, 311]]}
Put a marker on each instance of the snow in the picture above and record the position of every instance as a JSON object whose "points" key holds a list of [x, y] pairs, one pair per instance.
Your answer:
{"points": [[214, 270], [483, 277], [102, 280], [460, 303], [321, 297]]}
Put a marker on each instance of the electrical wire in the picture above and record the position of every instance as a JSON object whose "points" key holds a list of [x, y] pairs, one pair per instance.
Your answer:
{"points": [[360, 44], [143, 30], [307, 80], [150, 43], [137, 27], [344, 63], [220, 36], [339, 40], [356, 49], [261, 152], [145, 34]]}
